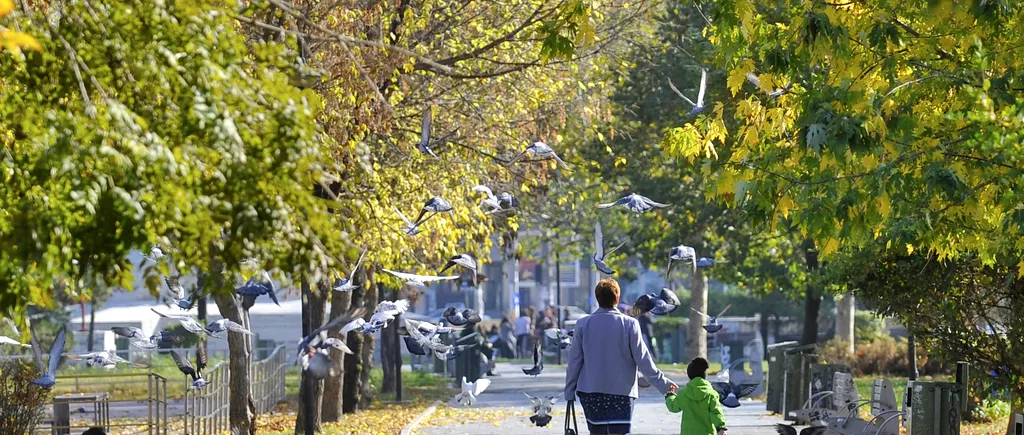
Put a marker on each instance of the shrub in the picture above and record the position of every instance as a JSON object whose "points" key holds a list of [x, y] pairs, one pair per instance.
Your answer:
{"points": [[868, 327], [883, 356], [21, 403]]}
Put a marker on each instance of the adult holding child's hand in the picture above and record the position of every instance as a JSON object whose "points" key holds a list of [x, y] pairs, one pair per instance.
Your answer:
{"points": [[607, 352]]}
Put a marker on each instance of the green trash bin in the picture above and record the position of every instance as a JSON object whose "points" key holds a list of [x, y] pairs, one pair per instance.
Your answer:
{"points": [[936, 408], [776, 371], [796, 383]]}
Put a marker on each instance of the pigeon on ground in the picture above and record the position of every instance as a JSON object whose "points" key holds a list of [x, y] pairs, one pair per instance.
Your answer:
{"points": [[564, 340], [8, 340], [190, 324], [224, 325], [47, 372], [682, 253], [460, 318], [699, 105], [541, 409], [105, 359], [424, 145], [659, 304], [600, 254], [538, 363], [346, 284], [419, 281], [465, 260], [705, 262], [346, 322], [155, 340], [410, 228], [636, 203], [753, 79], [178, 294], [712, 326], [540, 151], [257, 286], [196, 372], [730, 393], [470, 391], [434, 206]]}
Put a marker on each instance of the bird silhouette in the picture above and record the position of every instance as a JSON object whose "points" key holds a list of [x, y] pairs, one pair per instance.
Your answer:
{"points": [[659, 304], [257, 286], [186, 367], [699, 105], [635, 203], [730, 393]]}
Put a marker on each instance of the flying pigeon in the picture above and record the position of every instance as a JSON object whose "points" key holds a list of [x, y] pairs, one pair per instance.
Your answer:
{"points": [[257, 286], [705, 262], [730, 393], [424, 145], [196, 372], [47, 377], [699, 105], [713, 326], [224, 325], [410, 228], [752, 78], [190, 324], [503, 204], [783, 429], [386, 312], [429, 330], [540, 151], [418, 281], [681, 253], [507, 201], [347, 322], [564, 340], [130, 332], [459, 318], [178, 294], [599, 254], [154, 340], [434, 206], [657, 303], [155, 254], [8, 340], [345, 284], [538, 363], [470, 391], [464, 260], [317, 363], [637, 203], [490, 201], [106, 359], [432, 343], [541, 409]]}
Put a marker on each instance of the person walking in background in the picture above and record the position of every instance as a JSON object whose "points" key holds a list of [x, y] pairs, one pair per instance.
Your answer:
{"points": [[543, 323], [508, 338], [607, 351], [647, 331], [523, 324], [702, 414]]}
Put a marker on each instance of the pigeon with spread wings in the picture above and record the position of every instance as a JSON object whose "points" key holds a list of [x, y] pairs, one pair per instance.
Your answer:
{"points": [[681, 253], [634, 202], [730, 393], [418, 281], [47, 372], [434, 206], [600, 254], [540, 151], [257, 286], [699, 105], [564, 340], [541, 408], [460, 317], [470, 391], [346, 322], [224, 325], [190, 324], [712, 326], [657, 303], [185, 302], [186, 367], [409, 228], [346, 284]]}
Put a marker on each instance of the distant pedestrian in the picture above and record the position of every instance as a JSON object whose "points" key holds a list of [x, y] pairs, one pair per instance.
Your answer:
{"points": [[698, 401], [647, 331], [523, 324], [508, 338]]}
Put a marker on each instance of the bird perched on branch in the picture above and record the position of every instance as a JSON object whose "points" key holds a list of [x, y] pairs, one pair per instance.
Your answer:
{"points": [[635, 203]]}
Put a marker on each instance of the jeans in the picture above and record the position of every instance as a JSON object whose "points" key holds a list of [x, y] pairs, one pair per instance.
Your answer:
{"points": [[523, 345]]}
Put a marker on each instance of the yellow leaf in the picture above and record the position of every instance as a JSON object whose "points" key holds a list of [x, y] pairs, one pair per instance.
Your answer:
{"points": [[16, 41], [910, 249], [6, 7], [784, 205], [884, 205], [1020, 268], [831, 246], [738, 75]]}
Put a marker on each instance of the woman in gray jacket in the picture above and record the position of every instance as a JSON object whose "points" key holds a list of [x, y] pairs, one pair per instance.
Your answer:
{"points": [[607, 351]]}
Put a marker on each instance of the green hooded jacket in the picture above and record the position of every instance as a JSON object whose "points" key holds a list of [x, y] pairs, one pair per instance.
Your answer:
{"points": [[702, 415]]}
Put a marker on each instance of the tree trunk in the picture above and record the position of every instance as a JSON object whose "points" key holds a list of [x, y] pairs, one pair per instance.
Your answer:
{"points": [[340, 303], [845, 310], [92, 320], [696, 337], [388, 339], [317, 307], [366, 389], [763, 328], [1015, 409], [354, 361], [912, 357], [241, 410], [812, 297]]}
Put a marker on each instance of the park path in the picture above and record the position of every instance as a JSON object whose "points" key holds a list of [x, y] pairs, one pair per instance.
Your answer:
{"points": [[649, 417]]}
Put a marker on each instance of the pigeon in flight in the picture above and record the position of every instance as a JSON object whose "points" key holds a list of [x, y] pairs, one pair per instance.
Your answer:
{"points": [[257, 286], [345, 284], [657, 303], [540, 151], [106, 359], [636, 203], [730, 393], [752, 78], [501, 204], [538, 363], [712, 326], [317, 363], [681, 253], [410, 228], [490, 201], [705, 262], [48, 371], [347, 322], [699, 105], [178, 294], [459, 318], [600, 254], [224, 325], [190, 324], [783, 429], [470, 391], [541, 409], [432, 342], [196, 372], [464, 260], [429, 330], [387, 311], [564, 340], [155, 340], [155, 254], [8, 340], [434, 206], [130, 332], [419, 281], [424, 145]]}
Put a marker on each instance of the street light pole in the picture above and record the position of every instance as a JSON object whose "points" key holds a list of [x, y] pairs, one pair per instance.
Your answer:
{"points": [[558, 297]]}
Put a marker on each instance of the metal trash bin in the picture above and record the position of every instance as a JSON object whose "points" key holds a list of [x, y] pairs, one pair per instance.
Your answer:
{"points": [[936, 408], [62, 410], [1018, 424], [796, 383], [776, 372]]}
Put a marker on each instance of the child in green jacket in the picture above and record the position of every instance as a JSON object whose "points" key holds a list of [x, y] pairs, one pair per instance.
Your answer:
{"points": [[702, 415]]}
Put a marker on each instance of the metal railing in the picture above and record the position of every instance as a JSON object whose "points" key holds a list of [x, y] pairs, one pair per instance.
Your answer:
{"points": [[156, 399], [207, 409]]}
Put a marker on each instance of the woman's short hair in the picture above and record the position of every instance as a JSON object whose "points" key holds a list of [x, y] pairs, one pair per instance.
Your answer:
{"points": [[698, 368], [607, 293]]}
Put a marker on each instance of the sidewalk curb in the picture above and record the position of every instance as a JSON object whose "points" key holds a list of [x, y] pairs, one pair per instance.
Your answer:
{"points": [[407, 430]]}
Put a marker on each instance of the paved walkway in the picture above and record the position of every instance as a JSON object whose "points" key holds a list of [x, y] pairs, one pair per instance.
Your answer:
{"points": [[649, 417]]}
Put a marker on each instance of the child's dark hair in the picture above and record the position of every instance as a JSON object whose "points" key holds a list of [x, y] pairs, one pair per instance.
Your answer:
{"points": [[697, 368]]}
